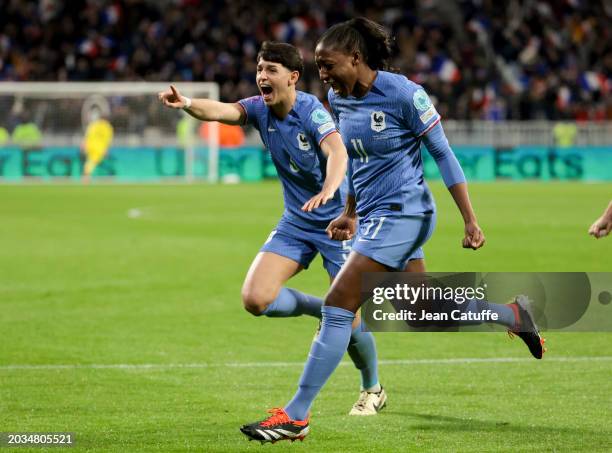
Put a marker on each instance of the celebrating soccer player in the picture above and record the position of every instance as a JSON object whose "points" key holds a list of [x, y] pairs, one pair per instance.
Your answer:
{"points": [[383, 118], [310, 159]]}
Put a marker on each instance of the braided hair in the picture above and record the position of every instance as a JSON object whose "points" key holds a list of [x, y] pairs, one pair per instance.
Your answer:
{"points": [[361, 35]]}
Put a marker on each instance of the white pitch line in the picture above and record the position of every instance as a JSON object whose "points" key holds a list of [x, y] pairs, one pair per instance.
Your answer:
{"points": [[163, 366]]}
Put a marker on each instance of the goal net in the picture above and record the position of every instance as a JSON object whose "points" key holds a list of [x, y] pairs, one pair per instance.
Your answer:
{"points": [[43, 124]]}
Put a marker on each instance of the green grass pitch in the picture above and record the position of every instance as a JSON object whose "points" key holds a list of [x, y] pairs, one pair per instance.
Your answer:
{"points": [[105, 279]]}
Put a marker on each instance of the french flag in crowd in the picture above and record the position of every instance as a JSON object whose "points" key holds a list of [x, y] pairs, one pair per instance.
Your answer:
{"points": [[446, 69], [564, 97], [112, 14], [288, 31], [89, 47], [119, 63], [594, 81]]}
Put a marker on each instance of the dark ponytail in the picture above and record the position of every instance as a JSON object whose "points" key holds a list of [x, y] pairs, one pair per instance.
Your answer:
{"points": [[363, 35]]}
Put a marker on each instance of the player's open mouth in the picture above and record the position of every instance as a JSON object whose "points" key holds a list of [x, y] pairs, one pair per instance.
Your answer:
{"points": [[334, 86], [266, 92]]}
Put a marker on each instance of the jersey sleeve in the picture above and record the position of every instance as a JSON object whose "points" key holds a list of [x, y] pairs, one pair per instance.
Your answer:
{"points": [[319, 123], [330, 100], [437, 144], [419, 113], [252, 108]]}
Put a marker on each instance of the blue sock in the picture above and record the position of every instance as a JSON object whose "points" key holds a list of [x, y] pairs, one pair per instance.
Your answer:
{"points": [[504, 312], [290, 302], [362, 350], [325, 355]]}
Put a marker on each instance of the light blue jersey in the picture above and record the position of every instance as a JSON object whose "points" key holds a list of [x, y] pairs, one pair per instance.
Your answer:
{"points": [[382, 132], [294, 144]]}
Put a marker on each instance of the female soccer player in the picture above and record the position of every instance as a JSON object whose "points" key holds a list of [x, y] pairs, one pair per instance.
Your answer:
{"points": [[310, 159], [383, 118]]}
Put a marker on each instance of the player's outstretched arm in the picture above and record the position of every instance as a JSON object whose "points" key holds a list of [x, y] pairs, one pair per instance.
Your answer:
{"points": [[203, 109], [603, 225], [337, 158], [452, 174]]}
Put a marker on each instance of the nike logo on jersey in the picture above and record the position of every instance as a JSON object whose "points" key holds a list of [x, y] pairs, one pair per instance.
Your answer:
{"points": [[271, 129]]}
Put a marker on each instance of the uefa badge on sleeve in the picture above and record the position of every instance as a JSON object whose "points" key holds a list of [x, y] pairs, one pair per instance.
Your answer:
{"points": [[377, 122], [320, 116], [421, 100]]}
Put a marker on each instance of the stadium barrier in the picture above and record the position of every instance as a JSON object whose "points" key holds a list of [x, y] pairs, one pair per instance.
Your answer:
{"points": [[586, 163], [153, 164], [129, 164]]}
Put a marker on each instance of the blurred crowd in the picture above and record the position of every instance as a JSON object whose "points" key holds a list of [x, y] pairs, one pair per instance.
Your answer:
{"points": [[479, 59]]}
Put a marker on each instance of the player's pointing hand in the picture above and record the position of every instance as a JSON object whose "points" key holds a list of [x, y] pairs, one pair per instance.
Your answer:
{"points": [[172, 98]]}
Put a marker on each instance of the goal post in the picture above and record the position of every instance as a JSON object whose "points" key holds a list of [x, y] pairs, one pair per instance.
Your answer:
{"points": [[150, 135]]}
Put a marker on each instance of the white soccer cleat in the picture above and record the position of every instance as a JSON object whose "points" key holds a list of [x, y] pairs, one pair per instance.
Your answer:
{"points": [[369, 403]]}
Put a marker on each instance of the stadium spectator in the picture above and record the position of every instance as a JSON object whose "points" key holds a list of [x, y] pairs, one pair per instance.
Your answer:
{"points": [[27, 135], [564, 134], [4, 136], [185, 132], [478, 59]]}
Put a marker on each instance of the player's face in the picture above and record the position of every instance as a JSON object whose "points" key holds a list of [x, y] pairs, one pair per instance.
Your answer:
{"points": [[337, 69], [274, 81]]}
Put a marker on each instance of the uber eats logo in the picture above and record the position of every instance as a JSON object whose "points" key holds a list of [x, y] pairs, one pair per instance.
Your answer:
{"points": [[536, 164]]}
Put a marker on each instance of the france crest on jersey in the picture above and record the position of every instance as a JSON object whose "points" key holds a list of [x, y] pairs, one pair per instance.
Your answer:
{"points": [[382, 132], [294, 144]]}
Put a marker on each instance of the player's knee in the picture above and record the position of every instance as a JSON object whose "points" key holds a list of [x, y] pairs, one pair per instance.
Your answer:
{"points": [[338, 297], [255, 301]]}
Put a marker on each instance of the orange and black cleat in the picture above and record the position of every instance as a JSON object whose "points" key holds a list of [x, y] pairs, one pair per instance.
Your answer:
{"points": [[526, 328], [278, 426]]}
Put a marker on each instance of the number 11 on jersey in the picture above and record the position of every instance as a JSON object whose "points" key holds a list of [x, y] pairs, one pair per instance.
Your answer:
{"points": [[360, 150]]}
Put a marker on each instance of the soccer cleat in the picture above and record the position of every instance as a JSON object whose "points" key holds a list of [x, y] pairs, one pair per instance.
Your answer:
{"points": [[369, 403], [277, 426], [525, 327]]}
